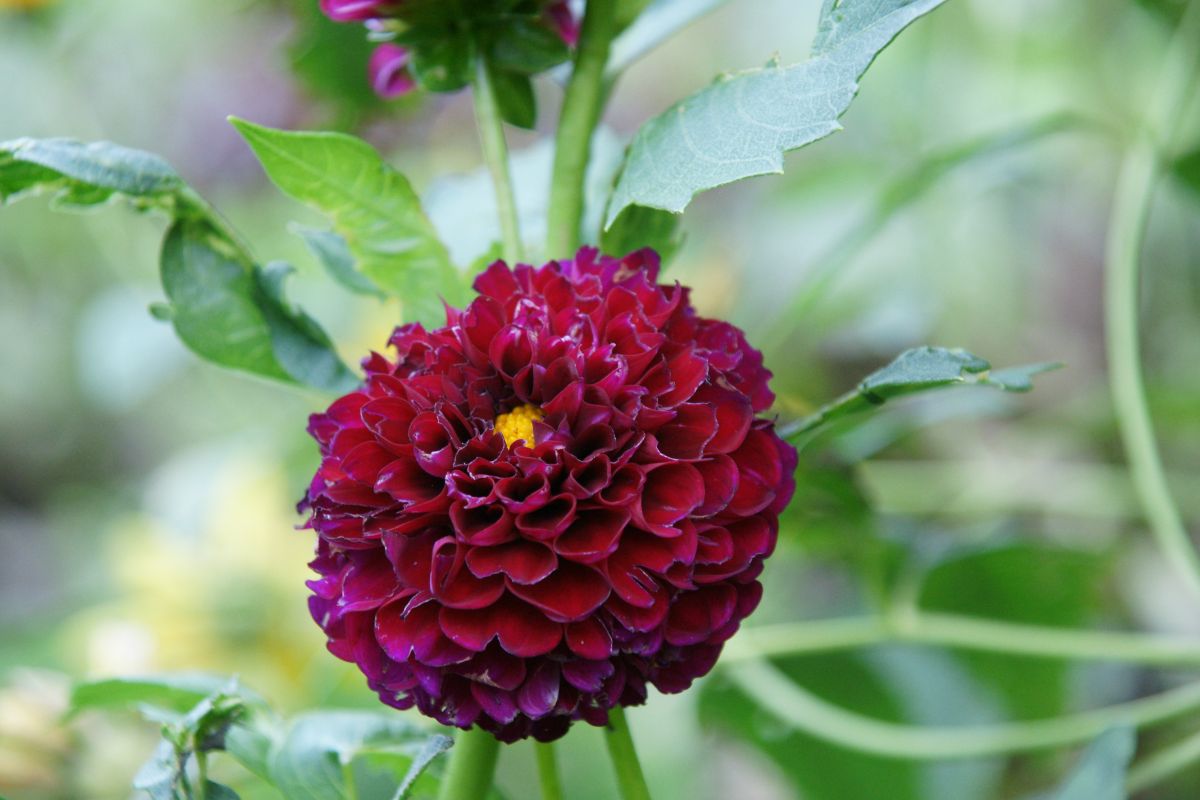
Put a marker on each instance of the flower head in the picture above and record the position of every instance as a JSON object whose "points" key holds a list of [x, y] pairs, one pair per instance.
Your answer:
{"points": [[560, 497]]}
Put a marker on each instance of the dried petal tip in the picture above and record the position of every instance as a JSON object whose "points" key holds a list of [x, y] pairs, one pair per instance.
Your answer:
{"points": [[608, 539]]}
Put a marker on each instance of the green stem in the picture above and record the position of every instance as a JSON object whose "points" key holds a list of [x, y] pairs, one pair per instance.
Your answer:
{"points": [[796, 706], [1139, 173], [495, 152], [1164, 764], [630, 780], [968, 633], [582, 106], [548, 771], [201, 775], [472, 765]]}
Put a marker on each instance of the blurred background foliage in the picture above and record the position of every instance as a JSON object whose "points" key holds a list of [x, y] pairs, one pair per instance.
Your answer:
{"points": [[146, 499]]}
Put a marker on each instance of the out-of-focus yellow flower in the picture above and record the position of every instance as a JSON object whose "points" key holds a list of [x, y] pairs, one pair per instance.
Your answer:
{"points": [[33, 745], [224, 596], [25, 5]]}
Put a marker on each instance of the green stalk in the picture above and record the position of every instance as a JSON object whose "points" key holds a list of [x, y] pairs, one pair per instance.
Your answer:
{"points": [[495, 152], [548, 771], [1140, 171], [796, 706], [968, 633], [201, 775], [582, 106], [630, 781], [472, 765]]}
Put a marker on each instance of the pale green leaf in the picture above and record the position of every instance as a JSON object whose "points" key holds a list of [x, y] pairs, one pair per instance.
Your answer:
{"points": [[1100, 773], [917, 370], [179, 692], [84, 174], [222, 305], [372, 206], [334, 255], [434, 746], [742, 125], [308, 763]]}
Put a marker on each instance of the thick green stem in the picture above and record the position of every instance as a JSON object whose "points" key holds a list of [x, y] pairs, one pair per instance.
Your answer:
{"points": [[968, 633], [495, 152], [548, 771], [582, 106], [630, 781], [472, 765], [201, 775], [796, 706], [1139, 173]]}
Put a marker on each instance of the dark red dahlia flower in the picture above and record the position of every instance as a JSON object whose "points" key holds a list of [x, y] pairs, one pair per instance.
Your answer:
{"points": [[563, 495]]}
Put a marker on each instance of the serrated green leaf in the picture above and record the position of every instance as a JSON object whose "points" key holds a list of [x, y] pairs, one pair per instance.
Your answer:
{"points": [[1100, 773], [307, 764], [177, 693], [917, 370], [218, 308], [218, 305], [372, 207], [252, 740], [161, 776], [334, 255], [433, 747], [84, 173], [650, 24], [302, 348], [742, 125]]}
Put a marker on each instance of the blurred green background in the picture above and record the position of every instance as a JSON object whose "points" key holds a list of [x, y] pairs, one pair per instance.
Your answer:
{"points": [[146, 499]]}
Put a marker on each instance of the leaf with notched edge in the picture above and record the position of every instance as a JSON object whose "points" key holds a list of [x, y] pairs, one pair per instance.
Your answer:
{"points": [[742, 124]]}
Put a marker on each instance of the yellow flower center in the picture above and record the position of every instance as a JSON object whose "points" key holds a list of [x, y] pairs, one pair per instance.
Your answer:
{"points": [[518, 424]]}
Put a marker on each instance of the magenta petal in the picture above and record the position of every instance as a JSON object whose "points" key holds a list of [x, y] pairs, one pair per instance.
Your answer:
{"points": [[538, 696], [369, 581], [588, 638], [525, 632], [497, 703], [593, 536], [587, 676], [389, 73], [471, 629], [568, 594], [671, 493], [686, 436], [520, 561], [696, 615]]}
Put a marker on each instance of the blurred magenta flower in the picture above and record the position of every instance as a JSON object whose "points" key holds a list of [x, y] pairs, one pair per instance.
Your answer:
{"points": [[356, 10], [390, 76], [564, 21], [563, 495]]}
